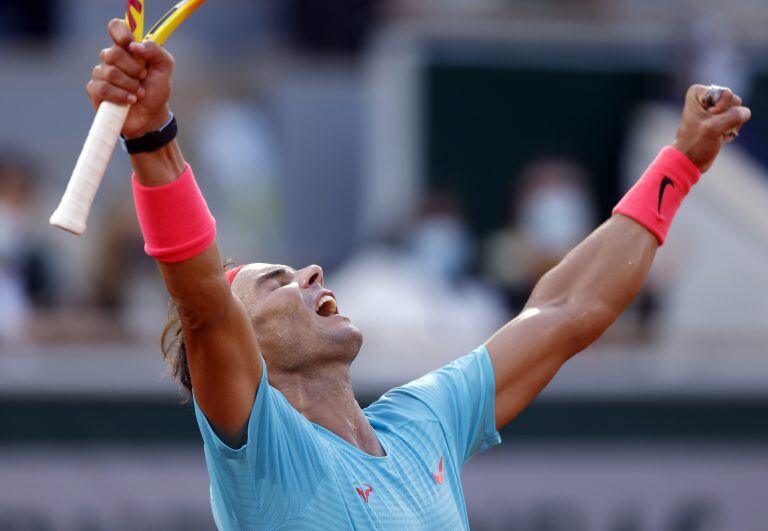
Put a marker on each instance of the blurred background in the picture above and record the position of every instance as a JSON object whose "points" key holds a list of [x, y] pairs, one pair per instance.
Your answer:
{"points": [[435, 157]]}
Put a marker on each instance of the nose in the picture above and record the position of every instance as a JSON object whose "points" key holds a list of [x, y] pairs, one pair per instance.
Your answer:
{"points": [[310, 275]]}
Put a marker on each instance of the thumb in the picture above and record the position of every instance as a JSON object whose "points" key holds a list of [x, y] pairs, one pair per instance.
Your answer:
{"points": [[152, 53]]}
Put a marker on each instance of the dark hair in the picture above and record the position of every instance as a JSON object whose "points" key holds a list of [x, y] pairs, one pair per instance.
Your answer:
{"points": [[173, 347]]}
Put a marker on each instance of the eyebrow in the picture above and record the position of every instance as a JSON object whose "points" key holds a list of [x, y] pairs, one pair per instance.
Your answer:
{"points": [[272, 273]]}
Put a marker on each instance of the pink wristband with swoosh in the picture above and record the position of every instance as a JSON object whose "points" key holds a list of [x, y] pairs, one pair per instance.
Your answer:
{"points": [[655, 199], [174, 218]]}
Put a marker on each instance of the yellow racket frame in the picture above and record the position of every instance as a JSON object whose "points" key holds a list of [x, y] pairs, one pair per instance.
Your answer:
{"points": [[134, 10], [168, 23]]}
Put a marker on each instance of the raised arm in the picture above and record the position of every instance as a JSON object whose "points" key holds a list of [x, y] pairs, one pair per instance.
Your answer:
{"points": [[222, 351], [574, 303]]}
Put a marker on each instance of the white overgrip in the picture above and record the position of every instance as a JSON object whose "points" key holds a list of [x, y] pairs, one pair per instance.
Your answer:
{"points": [[72, 212]]}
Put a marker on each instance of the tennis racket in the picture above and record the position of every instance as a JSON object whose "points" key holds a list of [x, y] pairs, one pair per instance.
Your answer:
{"points": [[72, 212]]}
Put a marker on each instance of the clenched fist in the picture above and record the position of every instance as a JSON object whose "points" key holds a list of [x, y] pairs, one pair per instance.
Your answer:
{"points": [[139, 74], [703, 130]]}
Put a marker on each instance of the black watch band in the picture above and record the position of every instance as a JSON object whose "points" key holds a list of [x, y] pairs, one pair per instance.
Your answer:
{"points": [[153, 140]]}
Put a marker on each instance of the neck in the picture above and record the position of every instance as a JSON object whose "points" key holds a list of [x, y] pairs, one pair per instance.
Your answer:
{"points": [[325, 397]]}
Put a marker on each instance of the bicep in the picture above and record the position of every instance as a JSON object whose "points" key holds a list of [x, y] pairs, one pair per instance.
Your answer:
{"points": [[225, 365], [526, 354]]}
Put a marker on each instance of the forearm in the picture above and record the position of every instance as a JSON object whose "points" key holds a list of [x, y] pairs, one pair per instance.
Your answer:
{"points": [[598, 279], [196, 284], [198, 287], [159, 167]]}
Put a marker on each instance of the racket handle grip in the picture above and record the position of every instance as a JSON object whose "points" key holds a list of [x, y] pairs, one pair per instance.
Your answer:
{"points": [[72, 212]]}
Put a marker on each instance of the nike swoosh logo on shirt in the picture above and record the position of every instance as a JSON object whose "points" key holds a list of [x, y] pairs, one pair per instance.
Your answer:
{"points": [[438, 476]]}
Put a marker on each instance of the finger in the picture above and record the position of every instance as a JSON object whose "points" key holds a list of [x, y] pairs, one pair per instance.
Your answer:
{"points": [[731, 120], [123, 60], [152, 53], [697, 94], [115, 76], [718, 99], [100, 91], [120, 32]]}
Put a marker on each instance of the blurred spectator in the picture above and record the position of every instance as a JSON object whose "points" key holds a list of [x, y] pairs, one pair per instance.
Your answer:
{"points": [[121, 253], [127, 298], [551, 210], [416, 302], [439, 244], [25, 278], [237, 147]]}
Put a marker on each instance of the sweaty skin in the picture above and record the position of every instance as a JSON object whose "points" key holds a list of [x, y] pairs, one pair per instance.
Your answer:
{"points": [[272, 310]]}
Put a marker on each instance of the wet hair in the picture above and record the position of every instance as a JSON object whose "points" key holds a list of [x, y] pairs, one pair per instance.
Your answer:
{"points": [[173, 347]]}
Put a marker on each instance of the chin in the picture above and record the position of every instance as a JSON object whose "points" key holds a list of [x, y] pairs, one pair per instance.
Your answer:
{"points": [[348, 339]]}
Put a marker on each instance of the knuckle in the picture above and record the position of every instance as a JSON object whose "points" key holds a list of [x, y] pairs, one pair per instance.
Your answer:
{"points": [[103, 54], [110, 55], [102, 90], [112, 74]]}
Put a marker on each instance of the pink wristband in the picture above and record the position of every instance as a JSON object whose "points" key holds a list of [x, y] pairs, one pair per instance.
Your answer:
{"points": [[654, 200], [174, 218]]}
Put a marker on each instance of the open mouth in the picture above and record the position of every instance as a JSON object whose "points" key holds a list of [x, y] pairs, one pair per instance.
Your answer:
{"points": [[326, 306]]}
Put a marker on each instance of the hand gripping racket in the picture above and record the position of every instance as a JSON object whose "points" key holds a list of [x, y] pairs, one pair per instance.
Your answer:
{"points": [[72, 212]]}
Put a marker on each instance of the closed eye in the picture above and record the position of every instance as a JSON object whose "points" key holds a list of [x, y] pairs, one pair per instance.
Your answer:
{"points": [[279, 282], [278, 277]]}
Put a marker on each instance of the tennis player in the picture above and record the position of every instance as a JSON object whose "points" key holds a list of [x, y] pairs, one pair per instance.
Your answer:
{"points": [[266, 354]]}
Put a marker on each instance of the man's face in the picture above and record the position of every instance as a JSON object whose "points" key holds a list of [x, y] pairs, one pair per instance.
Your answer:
{"points": [[295, 317]]}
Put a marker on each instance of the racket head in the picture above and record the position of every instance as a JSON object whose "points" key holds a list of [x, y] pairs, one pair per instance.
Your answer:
{"points": [[168, 23], [134, 18]]}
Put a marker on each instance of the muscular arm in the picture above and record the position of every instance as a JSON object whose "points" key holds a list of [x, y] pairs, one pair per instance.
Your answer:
{"points": [[222, 350], [574, 303], [570, 307]]}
